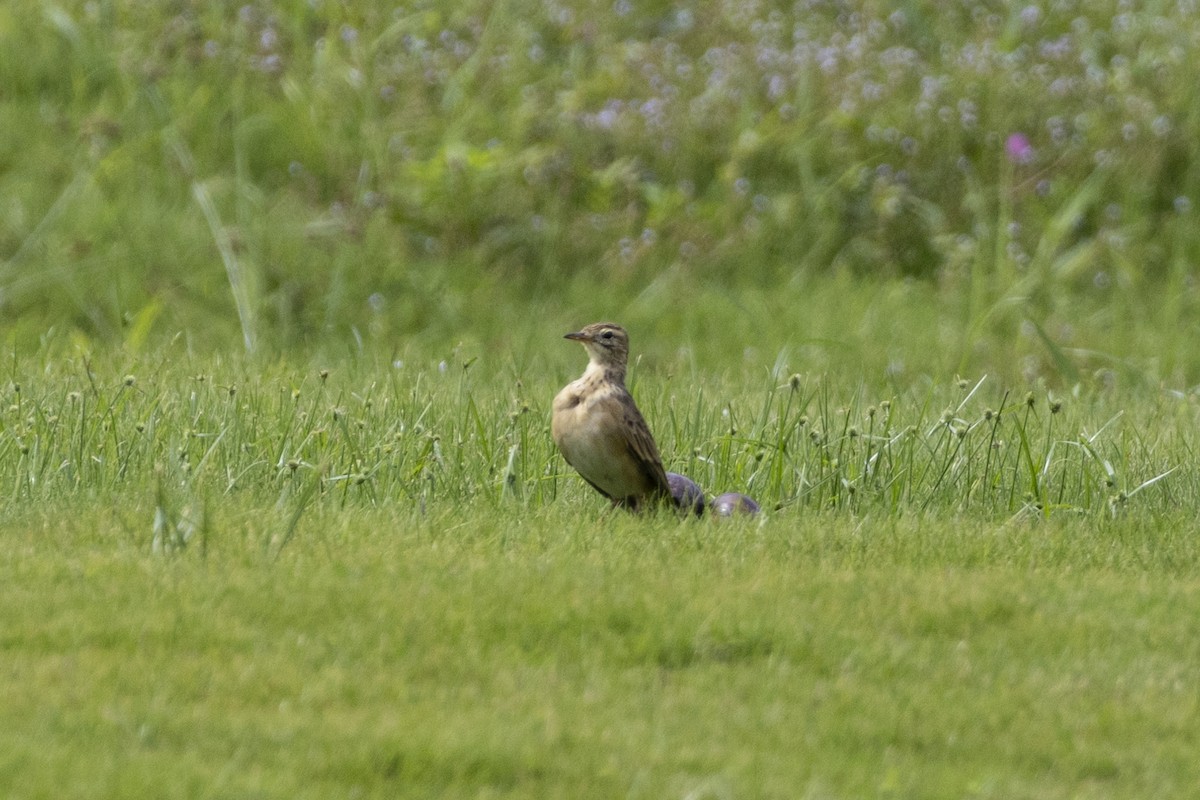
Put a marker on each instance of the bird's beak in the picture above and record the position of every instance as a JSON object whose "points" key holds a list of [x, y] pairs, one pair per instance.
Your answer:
{"points": [[578, 336]]}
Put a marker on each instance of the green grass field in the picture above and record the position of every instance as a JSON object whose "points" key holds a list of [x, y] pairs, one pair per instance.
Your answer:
{"points": [[382, 581], [282, 292], [385, 654]]}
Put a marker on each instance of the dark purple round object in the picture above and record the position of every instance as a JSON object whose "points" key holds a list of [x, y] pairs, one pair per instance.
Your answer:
{"points": [[733, 503], [687, 493]]}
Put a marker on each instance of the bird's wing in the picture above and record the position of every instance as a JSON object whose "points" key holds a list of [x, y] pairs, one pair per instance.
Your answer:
{"points": [[643, 449]]}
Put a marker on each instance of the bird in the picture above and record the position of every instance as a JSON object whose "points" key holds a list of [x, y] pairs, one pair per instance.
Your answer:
{"points": [[599, 429]]}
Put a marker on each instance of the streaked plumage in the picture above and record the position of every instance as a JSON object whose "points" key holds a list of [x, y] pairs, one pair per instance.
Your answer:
{"points": [[599, 429]]}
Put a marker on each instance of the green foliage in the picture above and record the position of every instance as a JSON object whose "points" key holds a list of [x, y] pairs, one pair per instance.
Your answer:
{"points": [[473, 433], [281, 172]]}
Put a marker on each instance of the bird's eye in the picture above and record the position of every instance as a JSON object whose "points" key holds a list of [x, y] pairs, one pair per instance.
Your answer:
{"points": [[606, 335]]}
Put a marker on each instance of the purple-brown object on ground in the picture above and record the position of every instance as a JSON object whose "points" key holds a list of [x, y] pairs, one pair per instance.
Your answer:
{"points": [[733, 503], [687, 493]]}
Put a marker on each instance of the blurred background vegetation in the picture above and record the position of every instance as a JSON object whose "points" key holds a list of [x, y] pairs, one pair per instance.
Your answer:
{"points": [[919, 186]]}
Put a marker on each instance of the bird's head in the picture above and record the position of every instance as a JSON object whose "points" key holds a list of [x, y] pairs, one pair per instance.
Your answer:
{"points": [[607, 343]]}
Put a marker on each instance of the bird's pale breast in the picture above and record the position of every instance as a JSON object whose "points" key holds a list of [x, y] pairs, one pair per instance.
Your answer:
{"points": [[587, 427]]}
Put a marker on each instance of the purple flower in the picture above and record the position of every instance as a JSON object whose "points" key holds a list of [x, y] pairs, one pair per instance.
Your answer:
{"points": [[1018, 148]]}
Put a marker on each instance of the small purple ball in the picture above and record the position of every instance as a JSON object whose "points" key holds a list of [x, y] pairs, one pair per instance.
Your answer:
{"points": [[687, 493], [733, 503]]}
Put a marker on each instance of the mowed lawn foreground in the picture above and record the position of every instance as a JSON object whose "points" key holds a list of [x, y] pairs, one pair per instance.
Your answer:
{"points": [[464, 654]]}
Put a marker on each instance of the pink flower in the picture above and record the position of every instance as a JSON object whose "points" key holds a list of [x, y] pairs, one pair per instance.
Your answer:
{"points": [[1018, 148]]}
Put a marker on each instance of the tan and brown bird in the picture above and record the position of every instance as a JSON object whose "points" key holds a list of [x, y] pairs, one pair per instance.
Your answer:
{"points": [[599, 429]]}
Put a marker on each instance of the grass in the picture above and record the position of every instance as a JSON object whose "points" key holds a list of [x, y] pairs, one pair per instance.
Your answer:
{"points": [[281, 291], [473, 431], [377, 580], [384, 652], [286, 174]]}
